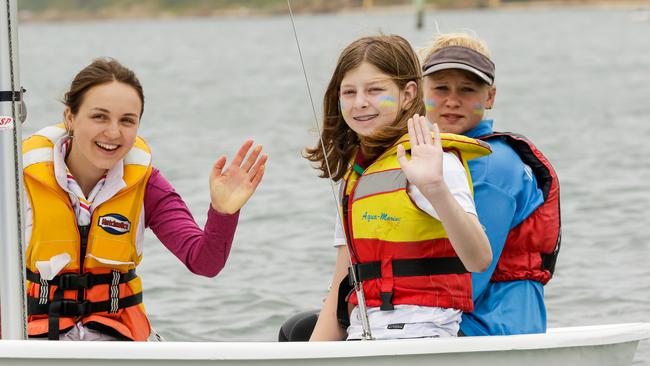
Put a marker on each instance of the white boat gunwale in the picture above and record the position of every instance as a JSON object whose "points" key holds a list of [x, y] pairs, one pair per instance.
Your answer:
{"points": [[586, 336]]}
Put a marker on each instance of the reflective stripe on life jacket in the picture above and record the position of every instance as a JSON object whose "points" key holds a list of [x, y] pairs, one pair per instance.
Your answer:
{"points": [[98, 285], [394, 244], [531, 248]]}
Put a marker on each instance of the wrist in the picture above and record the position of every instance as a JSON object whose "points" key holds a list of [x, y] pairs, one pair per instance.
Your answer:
{"points": [[222, 210], [433, 190]]}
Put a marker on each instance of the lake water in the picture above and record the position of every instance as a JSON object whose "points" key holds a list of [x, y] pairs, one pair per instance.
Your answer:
{"points": [[576, 81]]}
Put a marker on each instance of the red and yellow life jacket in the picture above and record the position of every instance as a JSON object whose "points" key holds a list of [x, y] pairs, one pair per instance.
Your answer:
{"points": [[98, 286], [400, 253], [531, 248]]}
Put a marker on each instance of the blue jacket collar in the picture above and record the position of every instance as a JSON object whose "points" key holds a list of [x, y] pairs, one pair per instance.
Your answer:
{"points": [[483, 128]]}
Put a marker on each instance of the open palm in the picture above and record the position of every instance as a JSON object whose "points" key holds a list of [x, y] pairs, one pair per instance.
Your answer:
{"points": [[424, 169], [230, 188]]}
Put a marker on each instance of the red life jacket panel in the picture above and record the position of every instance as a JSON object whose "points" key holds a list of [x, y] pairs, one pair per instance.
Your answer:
{"points": [[532, 247]]}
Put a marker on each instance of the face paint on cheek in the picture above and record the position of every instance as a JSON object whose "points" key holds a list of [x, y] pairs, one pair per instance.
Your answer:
{"points": [[342, 108], [430, 105], [387, 101], [478, 109]]}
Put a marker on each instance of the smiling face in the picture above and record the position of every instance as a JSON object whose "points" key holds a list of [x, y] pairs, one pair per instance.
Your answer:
{"points": [[456, 100], [370, 99], [104, 128]]}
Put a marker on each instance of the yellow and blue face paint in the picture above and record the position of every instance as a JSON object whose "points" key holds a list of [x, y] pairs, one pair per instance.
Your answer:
{"points": [[387, 101], [430, 105], [478, 109]]}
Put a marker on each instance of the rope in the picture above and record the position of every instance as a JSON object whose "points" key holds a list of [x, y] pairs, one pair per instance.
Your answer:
{"points": [[358, 287], [17, 166]]}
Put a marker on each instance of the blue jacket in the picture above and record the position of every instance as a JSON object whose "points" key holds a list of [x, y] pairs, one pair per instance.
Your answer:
{"points": [[505, 194]]}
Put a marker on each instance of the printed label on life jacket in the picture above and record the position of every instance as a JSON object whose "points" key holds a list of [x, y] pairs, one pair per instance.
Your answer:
{"points": [[395, 326], [6, 122], [115, 224], [379, 216]]}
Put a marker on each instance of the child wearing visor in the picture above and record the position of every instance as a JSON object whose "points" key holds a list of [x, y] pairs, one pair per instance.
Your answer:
{"points": [[515, 190]]}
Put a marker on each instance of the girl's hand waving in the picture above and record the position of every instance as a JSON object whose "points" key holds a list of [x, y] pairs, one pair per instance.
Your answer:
{"points": [[231, 187], [424, 169]]}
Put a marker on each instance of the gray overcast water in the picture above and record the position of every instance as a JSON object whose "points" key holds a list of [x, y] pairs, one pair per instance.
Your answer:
{"points": [[576, 81]]}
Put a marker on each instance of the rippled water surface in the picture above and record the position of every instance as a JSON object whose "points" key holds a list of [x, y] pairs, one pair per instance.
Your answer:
{"points": [[576, 81]]}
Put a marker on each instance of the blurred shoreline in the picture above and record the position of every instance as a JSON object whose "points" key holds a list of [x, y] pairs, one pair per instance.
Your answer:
{"points": [[148, 10]]}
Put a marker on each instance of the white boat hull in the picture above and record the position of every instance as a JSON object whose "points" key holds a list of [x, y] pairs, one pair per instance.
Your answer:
{"points": [[607, 345]]}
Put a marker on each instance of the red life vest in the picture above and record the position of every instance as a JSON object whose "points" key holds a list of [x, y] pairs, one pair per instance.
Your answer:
{"points": [[531, 248]]}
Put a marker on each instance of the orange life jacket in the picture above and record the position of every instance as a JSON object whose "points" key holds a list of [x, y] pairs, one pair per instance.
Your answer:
{"points": [[98, 287]]}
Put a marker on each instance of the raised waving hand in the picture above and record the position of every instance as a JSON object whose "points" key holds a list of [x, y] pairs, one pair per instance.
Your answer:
{"points": [[232, 186], [424, 169]]}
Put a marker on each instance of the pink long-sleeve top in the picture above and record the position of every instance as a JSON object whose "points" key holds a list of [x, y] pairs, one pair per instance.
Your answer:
{"points": [[203, 252]]}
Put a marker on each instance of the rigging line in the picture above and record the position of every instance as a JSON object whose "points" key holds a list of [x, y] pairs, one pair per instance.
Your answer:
{"points": [[313, 109], [17, 158], [358, 286]]}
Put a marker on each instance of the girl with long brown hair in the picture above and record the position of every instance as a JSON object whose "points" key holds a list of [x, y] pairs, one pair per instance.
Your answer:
{"points": [[408, 217]]}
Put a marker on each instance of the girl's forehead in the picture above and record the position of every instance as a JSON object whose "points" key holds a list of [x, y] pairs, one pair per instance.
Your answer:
{"points": [[366, 71]]}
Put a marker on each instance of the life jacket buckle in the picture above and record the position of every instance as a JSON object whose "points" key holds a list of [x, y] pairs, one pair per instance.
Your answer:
{"points": [[74, 281], [73, 308], [354, 272]]}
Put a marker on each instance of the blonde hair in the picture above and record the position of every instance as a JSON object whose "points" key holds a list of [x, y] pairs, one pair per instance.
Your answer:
{"points": [[443, 40]]}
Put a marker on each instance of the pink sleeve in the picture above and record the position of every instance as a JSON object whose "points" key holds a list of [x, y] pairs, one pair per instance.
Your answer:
{"points": [[203, 252]]}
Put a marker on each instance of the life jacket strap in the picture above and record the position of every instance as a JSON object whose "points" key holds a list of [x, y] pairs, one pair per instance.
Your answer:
{"points": [[411, 267], [75, 281], [407, 268], [53, 313], [386, 301], [44, 293], [73, 308], [114, 292], [549, 259], [59, 307], [345, 290]]}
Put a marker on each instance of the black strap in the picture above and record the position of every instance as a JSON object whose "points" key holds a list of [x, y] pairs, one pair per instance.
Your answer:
{"points": [[10, 96], [83, 244], [386, 301], [549, 259], [75, 281], [345, 204], [53, 314], [73, 308], [345, 290], [412, 267]]}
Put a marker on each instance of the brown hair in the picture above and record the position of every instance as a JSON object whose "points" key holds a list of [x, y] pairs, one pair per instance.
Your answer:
{"points": [[393, 56], [100, 71]]}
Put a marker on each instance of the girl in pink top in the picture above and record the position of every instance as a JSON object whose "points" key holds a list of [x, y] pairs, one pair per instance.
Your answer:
{"points": [[102, 117]]}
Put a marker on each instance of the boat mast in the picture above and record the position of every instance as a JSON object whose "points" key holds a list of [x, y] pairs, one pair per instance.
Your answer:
{"points": [[12, 274]]}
